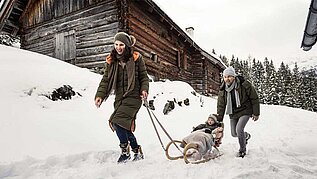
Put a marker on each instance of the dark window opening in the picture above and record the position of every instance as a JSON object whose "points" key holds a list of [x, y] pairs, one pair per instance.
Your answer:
{"points": [[154, 57]]}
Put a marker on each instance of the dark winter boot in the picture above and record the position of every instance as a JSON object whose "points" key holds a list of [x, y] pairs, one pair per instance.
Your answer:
{"points": [[138, 154], [125, 153], [241, 154]]}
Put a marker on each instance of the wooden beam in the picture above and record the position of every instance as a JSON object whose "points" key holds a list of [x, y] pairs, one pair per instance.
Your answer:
{"points": [[150, 9], [5, 12], [162, 19], [16, 7]]}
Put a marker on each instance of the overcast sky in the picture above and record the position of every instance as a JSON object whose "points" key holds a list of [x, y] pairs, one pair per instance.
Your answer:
{"points": [[267, 28]]}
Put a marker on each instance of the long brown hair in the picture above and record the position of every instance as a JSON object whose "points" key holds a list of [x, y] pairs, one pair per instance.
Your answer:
{"points": [[128, 53]]}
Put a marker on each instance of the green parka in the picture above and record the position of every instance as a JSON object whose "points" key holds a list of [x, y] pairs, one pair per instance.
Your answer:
{"points": [[249, 100], [127, 94]]}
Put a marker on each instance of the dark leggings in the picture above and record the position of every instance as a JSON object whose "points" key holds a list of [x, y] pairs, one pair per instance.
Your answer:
{"points": [[125, 136]]}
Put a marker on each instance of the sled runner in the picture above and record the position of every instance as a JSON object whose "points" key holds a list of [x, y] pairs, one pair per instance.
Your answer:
{"points": [[190, 150]]}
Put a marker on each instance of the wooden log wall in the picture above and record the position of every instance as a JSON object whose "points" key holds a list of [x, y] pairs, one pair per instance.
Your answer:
{"points": [[206, 76], [153, 37], [199, 76], [213, 78], [93, 23]]}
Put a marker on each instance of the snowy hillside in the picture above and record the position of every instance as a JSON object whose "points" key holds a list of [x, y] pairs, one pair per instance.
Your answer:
{"points": [[40, 138]]}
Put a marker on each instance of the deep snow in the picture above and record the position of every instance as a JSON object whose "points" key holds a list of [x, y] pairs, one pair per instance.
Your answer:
{"points": [[40, 138]]}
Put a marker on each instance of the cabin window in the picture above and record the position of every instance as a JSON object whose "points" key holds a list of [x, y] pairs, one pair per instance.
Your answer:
{"points": [[178, 59], [153, 56], [65, 46], [185, 64]]}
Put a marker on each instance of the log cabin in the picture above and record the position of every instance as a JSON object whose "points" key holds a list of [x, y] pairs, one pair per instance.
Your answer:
{"points": [[81, 32]]}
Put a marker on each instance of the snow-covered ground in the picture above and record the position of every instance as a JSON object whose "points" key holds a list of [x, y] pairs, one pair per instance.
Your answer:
{"points": [[40, 138]]}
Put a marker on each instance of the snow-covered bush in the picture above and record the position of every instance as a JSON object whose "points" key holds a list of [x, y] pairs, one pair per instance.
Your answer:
{"points": [[9, 40]]}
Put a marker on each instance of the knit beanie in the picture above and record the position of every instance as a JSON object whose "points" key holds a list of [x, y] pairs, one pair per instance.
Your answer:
{"points": [[229, 71], [214, 117], [127, 39]]}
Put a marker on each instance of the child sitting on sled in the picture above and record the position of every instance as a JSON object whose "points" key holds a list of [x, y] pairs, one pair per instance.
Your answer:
{"points": [[212, 123], [205, 137]]}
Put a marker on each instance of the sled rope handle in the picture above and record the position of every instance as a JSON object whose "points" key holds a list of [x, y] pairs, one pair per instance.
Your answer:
{"points": [[158, 135]]}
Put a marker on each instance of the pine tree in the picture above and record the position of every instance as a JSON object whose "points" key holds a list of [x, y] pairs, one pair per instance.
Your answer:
{"points": [[267, 80], [261, 79], [308, 86], [257, 78], [289, 99], [245, 70], [232, 61], [224, 60], [296, 83], [213, 51], [281, 75], [271, 85]]}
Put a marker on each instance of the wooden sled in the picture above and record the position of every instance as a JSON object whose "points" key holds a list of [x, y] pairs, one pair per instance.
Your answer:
{"points": [[188, 152]]}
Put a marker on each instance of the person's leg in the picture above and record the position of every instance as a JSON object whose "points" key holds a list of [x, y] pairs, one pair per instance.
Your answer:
{"points": [[132, 140], [233, 125], [121, 133], [243, 120], [124, 145], [138, 153]]}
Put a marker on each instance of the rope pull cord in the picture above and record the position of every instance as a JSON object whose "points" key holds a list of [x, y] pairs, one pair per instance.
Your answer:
{"points": [[157, 133]]}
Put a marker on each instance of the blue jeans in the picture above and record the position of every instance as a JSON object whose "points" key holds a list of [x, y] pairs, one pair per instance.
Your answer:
{"points": [[125, 136]]}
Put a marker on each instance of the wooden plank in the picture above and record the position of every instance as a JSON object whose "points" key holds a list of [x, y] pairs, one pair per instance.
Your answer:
{"points": [[148, 44], [93, 51], [59, 51], [85, 23], [95, 36], [92, 58], [6, 9], [92, 64], [59, 12], [94, 43], [137, 25], [39, 44]]}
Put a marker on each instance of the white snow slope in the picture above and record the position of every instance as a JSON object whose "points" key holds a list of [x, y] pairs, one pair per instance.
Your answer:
{"points": [[40, 138]]}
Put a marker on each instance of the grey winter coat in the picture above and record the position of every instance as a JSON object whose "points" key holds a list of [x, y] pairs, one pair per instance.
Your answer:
{"points": [[204, 140]]}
